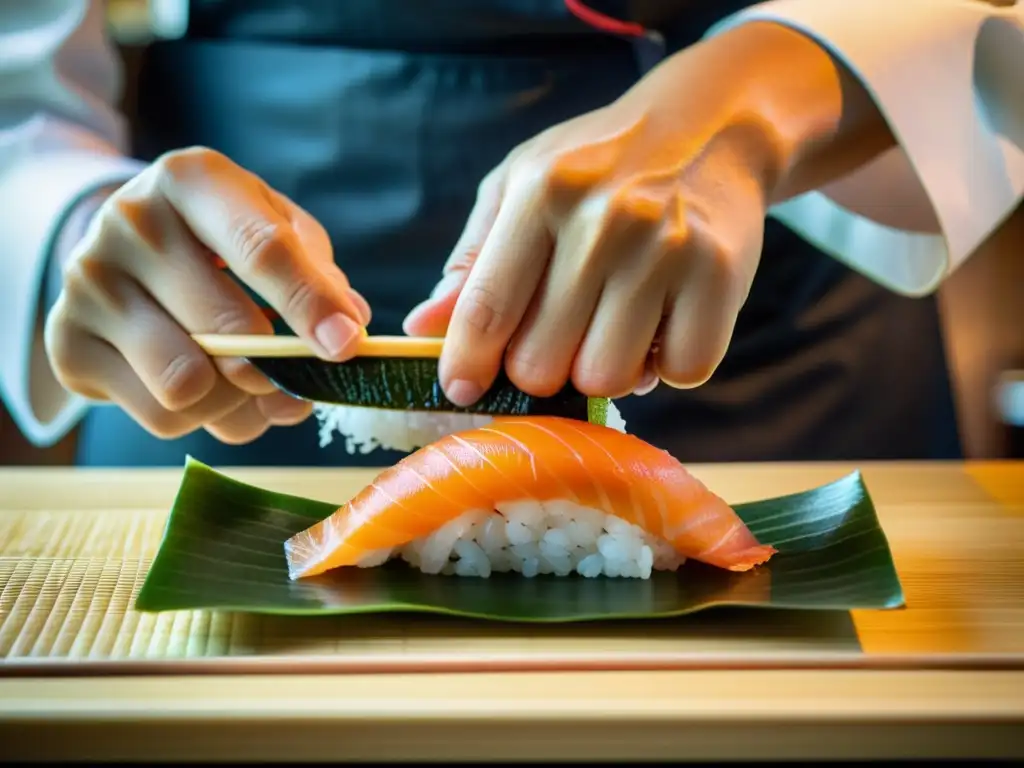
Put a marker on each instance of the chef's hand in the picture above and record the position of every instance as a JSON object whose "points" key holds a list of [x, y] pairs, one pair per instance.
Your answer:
{"points": [[617, 248], [145, 276]]}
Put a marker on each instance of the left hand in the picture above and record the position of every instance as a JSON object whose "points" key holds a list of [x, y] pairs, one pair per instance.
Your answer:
{"points": [[617, 248]]}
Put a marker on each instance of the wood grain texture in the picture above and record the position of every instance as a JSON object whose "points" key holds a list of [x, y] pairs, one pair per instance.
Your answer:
{"points": [[247, 345], [75, 545]]}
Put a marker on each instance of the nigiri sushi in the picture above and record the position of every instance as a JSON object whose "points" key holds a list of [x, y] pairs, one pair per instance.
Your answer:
{"points": [[533, 495]]}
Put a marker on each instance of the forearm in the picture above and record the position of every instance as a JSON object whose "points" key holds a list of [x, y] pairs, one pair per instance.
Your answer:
{"points": [[821, 120]]}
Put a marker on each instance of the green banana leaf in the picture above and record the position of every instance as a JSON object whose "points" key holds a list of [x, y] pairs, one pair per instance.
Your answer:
{"points": [[223, 550]]}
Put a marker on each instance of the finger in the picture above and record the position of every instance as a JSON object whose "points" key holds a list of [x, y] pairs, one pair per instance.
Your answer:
{"points": [[233, 214], [256, 415], [540, 356], [494, 298], [242, 425], [480, 221], [362, 306], [649, 378], [697, 331], [69, 349], [202, 300], [231, 313], [100, 368], [172, 367], [283, 410], [317, 243], [432, 316], [612, 357], [187, 280], [599, 240]]}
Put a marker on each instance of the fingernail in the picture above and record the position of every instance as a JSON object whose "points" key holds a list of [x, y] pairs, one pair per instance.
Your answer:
{"points": [[335, 333], [464, 393], [362, 305]]}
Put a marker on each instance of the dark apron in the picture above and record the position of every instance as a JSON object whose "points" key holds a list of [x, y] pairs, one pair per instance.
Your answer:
{"points": [[380, 117]]}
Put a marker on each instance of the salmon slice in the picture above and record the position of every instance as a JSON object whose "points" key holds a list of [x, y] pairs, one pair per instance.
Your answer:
{"points": [[530, 459]]}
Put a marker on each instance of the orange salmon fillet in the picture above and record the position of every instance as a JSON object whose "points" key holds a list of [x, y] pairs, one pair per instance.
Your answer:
{"points": [[540, 459]]}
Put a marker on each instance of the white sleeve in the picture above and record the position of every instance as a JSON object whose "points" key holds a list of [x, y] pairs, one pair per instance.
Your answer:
{"points": [[948, 76], [61, 137]]}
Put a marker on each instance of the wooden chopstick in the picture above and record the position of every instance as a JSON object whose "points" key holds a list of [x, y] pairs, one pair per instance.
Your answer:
{"points": [[263, 345]]}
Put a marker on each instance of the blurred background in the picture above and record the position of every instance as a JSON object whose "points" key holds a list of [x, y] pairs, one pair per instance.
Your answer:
{"points": [[982, 304]]}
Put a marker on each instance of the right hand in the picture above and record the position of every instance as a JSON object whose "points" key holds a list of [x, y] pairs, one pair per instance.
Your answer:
{"points": [[144, 277]]}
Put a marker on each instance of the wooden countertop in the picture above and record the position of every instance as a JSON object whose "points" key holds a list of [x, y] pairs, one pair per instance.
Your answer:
{"points": [[82, 674]]}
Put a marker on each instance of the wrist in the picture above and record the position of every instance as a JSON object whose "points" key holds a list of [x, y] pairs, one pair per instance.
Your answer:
{"points": [[817, 119], [796, 117]]}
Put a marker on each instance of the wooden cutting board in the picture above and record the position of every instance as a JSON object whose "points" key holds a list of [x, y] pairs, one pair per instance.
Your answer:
{"points": [[75, 546]]}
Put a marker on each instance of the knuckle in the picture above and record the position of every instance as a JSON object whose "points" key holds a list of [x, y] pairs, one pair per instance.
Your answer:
{"points": [[187, 161], [77, 279], [686, 368], [675, 238], [137, 218], [165, 424], [107, 226], [676, 234], [601, 380], [66, 361], [557, 183], [244, 375], [724, 272], [238, 318], [184, 379], [597, 213], [490, 185], [90, 283], [240, 427], [245, 433], [572, 174], [538, 177], [263, 247], [482, 309], [533, 374], [632, 206], [299, 298]]}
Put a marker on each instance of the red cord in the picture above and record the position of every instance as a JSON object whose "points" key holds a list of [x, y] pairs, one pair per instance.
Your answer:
{"points": [[602, 22]]}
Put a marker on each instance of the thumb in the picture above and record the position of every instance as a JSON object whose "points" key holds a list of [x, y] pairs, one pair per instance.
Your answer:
{"points": [[431, 317]]}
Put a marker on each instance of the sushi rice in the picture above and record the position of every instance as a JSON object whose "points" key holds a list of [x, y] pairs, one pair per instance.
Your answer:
{"points": [[531, 538], [366, 429], [526, 537]]}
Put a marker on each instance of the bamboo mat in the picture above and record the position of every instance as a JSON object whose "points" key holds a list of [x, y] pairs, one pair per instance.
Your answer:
{"points": [[75, 548], [69, 580]]}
